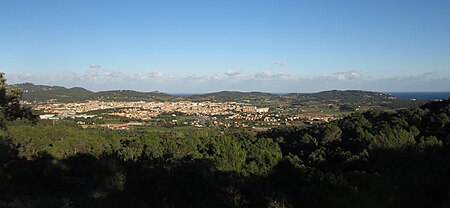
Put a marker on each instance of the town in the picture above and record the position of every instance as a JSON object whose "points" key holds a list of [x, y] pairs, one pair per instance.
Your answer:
{"points": [[124, 115]]}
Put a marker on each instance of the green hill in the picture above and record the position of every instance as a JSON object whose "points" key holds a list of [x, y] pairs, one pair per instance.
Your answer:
{"points": [[131, 95], [42, 93], [344, 96], [38, 93], [234, 96]]}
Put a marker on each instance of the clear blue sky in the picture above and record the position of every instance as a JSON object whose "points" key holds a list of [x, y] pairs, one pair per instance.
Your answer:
{"points": [[203, 46]]}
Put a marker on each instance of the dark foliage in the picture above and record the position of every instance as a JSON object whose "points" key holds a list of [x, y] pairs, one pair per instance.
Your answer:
{"points": [[369, 159]]}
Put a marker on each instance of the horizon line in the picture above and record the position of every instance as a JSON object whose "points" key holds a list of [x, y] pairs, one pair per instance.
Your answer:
{"points": [[225, 90]]}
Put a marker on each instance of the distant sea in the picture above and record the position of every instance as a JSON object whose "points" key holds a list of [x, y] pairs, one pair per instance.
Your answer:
{"points": [[421, 95], [399, 95]]}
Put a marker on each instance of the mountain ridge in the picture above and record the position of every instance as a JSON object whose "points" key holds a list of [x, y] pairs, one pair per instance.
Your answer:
{"points": [[39, 93]]}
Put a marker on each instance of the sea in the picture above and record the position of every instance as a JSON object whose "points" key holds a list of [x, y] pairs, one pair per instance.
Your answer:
{"points": [[421, 95], [399, 95]]}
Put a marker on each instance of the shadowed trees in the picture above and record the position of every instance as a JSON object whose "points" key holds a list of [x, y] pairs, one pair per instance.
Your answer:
{"points": [[10, 107]]}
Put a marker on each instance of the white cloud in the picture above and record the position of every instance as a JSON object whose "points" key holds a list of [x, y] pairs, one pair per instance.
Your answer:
{"points": [[91, 76], [217, 77], [233, 73], [95, 66], [111, 74], [346, 75], [148, 75], [102, 79], [280, 63], [267, 75], [194, 77]]}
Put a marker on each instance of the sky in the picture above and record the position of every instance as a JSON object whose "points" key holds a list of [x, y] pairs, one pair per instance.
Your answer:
{"points": [[244, 45]]}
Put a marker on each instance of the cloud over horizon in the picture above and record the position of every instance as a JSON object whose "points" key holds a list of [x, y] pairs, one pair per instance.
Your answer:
{"points": [[103, 79], [147, 75], [280, 63], [95, 66], [233, 73], [346, 75], [268, 75]]}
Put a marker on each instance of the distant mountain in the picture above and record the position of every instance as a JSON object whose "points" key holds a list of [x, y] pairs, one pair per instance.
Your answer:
{"points": [[33, 92], [235, 96], [42, 93], [131, 95], [341, 96]]}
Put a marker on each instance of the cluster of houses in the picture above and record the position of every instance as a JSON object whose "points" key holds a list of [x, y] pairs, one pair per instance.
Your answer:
{"points": [[237, 114]]}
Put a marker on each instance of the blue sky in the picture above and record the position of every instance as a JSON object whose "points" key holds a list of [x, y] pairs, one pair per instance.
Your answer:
{"points": [[204, 46]]}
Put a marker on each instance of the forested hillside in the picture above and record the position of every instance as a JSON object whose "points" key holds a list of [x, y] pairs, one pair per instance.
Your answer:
{"points": [[369, 159], [42, 93]]}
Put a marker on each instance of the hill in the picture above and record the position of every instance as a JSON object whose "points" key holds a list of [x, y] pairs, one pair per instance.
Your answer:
{"points": [[234, 96], [342, 96], [33, 92], [42, 93], [131, 95]]}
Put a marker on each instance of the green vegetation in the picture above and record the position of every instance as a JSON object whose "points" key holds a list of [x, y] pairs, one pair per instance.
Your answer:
{"points": [[233, 96], [43, 93], [10, 108], [343, 96], [373, 158]]}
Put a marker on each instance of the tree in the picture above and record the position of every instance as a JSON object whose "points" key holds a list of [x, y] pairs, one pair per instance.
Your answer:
{"points": [[10, 107]]}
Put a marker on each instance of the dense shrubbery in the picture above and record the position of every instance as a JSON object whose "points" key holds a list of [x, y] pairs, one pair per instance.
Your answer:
{"points": [[375, 159], [370, 159]]}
